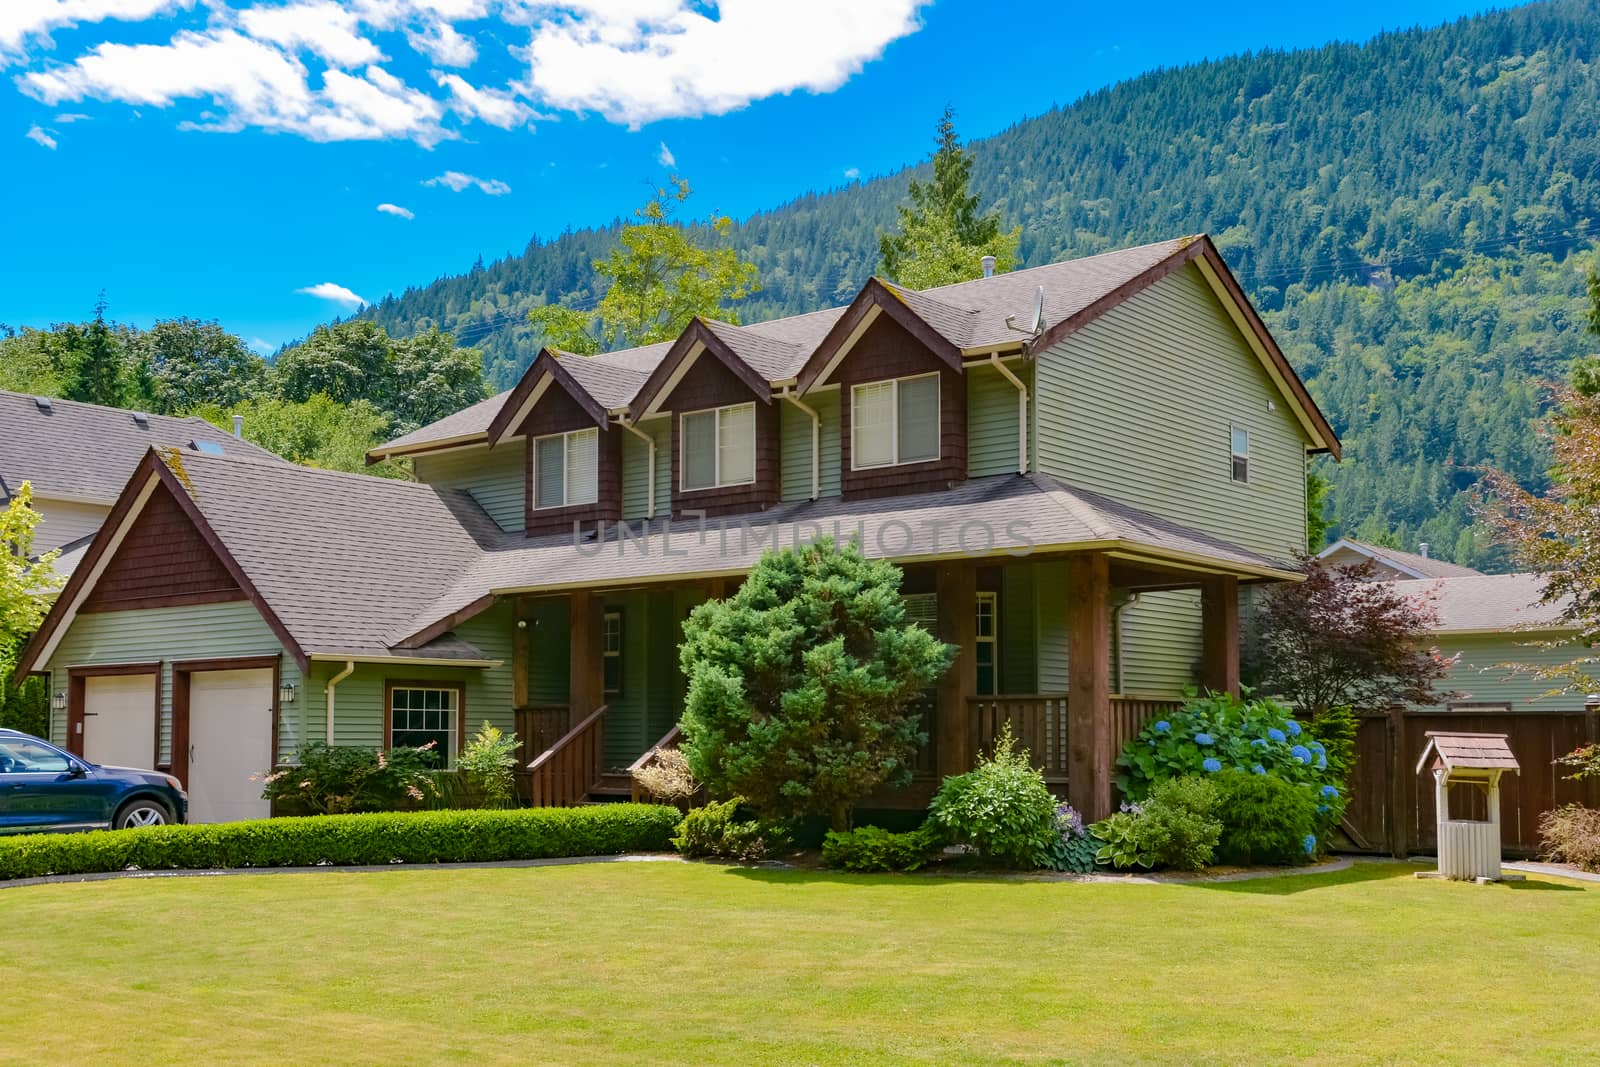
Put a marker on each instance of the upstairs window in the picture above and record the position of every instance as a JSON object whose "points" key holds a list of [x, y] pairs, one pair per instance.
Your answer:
{"points": [[1241, 454], [719, 447], [894, 422], [566, 469]]}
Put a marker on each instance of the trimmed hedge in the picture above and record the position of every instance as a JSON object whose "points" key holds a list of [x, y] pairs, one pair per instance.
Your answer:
{"points": [[349, 840]]}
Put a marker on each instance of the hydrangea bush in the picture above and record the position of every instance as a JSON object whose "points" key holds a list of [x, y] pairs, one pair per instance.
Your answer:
{"points": [[1216, 733]]}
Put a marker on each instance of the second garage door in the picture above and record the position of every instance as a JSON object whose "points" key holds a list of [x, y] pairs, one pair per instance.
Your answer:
{"points": [[230, 740]]}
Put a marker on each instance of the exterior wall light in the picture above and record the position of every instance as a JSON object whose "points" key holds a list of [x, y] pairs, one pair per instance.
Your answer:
{"points": [[59, 700], [286, 693]]}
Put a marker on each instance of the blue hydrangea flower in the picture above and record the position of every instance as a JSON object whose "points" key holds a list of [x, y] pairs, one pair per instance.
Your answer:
{"points": [[1163, 727], [1323, 809], [1310, 844], [1260, 742], [1301, 753], [1204, 739], [1293, 728], [1212, 765], [1322, 761], [1258, 769], [1330, 791], [1316, 746], [1277, 734]]}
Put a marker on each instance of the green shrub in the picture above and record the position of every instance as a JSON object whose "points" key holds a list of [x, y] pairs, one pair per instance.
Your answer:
{"points": [[1075, 848], [1175, 827], [867, 849], [487, 762], [343, 779], [714, 832], [1001, 807], [1571, 834], [1265, 819], [348, 840]]}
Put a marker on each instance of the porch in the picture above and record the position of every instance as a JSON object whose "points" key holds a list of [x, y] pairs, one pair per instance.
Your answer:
{"points": [[597, 687]]}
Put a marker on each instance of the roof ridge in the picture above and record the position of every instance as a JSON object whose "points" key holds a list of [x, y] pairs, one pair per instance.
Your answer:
{"points": [[280, 464], [1182, 242]]}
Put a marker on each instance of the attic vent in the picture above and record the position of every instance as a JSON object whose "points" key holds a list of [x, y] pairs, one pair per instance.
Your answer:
{"points": [[210, 448], [43, 402], [141, 420]]}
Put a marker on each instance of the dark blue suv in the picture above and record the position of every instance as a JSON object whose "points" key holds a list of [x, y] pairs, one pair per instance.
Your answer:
{"points": [[44, 788]]}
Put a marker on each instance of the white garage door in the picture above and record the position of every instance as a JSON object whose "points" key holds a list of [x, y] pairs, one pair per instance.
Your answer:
{"points": [[119, 720], [230, 739]]}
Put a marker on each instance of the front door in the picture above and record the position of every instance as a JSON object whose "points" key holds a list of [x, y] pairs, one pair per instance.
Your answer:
{"points": [[230, 741], [119, 720]]}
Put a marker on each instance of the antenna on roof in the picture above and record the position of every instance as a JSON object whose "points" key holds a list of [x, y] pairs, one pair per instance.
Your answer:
{"points": [[1035, 321]]}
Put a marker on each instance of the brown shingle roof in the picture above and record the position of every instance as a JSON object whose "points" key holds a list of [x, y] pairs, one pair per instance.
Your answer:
{"points": [[1453, 751], [87, 452], [1487, 602], [1405, 562]]}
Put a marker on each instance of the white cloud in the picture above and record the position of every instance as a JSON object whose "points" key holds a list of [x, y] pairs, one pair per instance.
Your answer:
{"points": [[635, 61], [456, 182], [331, 291], [68, 117], [852, 173], [320, 27], [25, 21], [397, 211], [495, 106], [665, 156], [39, 137], [262, 346], [444, 45]]}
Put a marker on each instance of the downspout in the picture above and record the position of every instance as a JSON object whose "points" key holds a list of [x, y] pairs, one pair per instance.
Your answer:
{"points": [[349, 669], [816, 439], [1117, 609], [650, 474], [1022, 410]]}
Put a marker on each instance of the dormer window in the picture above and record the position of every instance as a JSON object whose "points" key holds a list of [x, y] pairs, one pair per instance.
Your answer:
{"points": [[719, 447], [1241, 454], [566, 469], [894, 422]]}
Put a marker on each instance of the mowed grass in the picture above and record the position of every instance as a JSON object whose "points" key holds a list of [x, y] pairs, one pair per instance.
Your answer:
{"points": [[658, 962]]}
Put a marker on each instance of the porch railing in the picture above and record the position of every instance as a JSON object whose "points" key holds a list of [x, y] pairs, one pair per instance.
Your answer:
{"points": [[1039, 723], [1129, 715], [564, 773]]}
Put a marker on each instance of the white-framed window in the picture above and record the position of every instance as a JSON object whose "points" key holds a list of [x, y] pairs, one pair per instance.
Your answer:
{"points": [[1241, 454], [566, 469], [718, 447], [611, 653], [894, 422], [987, 649], [425, 714]]}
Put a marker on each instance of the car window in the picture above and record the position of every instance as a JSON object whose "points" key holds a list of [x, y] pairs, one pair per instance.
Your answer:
{"points": [[20, 756]]}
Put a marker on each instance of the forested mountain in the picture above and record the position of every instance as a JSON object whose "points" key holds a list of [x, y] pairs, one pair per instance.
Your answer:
{"points": [[1414, 215]]}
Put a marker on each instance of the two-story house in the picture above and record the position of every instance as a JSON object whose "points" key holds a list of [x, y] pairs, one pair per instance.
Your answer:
{"points": [[1077, 467]]}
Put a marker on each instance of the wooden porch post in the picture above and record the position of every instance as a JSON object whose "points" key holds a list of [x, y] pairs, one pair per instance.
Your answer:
{"points": [[585, 683], [1089, 735], [1219, 609], [957, 587], [519, 655]]}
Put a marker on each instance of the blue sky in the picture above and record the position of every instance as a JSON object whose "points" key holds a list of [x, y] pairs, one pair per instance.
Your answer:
{"points": [[227, 159]]}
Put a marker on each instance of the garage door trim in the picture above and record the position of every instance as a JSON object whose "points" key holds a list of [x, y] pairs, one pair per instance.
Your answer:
{"points": [[76, 689], [182, 670]]}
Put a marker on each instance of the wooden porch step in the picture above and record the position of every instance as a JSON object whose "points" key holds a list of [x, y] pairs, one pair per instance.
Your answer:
{"points": [[612, 787]]}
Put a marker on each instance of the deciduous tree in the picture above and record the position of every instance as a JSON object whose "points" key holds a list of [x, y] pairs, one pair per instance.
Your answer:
{"points": [[190, 363], [26, 583]]}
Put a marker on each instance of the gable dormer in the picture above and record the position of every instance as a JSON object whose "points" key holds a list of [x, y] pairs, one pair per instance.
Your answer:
{"points": [[725, 426], [572, 455], [902, 394]]}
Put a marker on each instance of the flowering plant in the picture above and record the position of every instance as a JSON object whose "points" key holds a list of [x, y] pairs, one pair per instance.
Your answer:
{"points": [[339, 779], [1077, 847]]}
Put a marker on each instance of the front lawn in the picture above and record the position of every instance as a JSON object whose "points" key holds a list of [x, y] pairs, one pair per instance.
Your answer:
{"points": [[660, 962]]}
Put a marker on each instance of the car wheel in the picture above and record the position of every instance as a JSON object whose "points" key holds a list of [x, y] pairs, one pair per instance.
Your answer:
{"points": [[142, 813]]}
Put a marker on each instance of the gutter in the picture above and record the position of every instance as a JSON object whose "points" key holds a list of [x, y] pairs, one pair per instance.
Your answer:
{"points": [[650, 474], [1022, 410], [816, 438], [349, 669]]}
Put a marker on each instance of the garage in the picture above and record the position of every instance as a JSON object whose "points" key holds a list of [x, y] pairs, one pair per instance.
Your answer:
{"points": [[119, 720], [230, 735]]}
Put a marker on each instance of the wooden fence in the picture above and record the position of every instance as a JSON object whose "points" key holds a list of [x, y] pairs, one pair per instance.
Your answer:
{"points": [[1391, 806]]}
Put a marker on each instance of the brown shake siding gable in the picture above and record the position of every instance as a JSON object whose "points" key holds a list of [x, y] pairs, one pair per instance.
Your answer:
{"points": [[557, 412]]}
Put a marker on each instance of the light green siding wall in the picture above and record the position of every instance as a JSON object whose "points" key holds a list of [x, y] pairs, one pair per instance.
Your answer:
{"points": [[493, 476], [636, 469], [796, 431], [651, 688], [1160, 643], [1019, 667], [1478, 676], [992, 419], [203, 631], [1050, 613], [1139, 405], [549, 651]]}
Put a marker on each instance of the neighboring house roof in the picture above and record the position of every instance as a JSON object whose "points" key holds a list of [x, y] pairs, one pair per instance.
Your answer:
{"points": [[1407, 563], [1488, 603], [967, 318], [85, 452]]}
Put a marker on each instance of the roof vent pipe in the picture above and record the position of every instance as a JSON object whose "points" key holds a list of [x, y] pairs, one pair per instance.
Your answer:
{"points": [[238, 426], [988, 266], [1424, 549]]}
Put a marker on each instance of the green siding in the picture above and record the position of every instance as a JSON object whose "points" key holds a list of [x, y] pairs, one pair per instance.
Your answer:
{"points": [[1160, 643], [494, 477], [796, 432], [1121, 414], [1478, 677], [1019, 670], [651, 686], [992, 419], [636, 469], [549, 651], [203, 631], [1050, 598]]}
